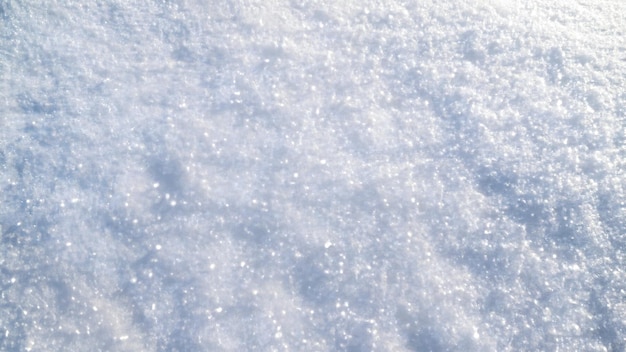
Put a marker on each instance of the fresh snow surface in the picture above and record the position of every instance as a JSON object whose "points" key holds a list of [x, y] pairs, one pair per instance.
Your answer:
{"points": [[311, 175]]}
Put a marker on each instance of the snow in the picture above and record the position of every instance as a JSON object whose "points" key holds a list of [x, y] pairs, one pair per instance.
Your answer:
{"points": [[183, 175]]}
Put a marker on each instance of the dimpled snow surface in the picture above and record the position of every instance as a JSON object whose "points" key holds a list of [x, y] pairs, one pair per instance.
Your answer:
{"points": [[312, 175]]}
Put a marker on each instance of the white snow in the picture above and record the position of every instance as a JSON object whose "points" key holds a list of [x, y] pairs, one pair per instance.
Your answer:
{"points": [[304, 175]]}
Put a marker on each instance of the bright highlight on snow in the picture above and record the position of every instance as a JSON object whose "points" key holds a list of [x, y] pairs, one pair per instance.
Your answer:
{"points": [[312, 176]]}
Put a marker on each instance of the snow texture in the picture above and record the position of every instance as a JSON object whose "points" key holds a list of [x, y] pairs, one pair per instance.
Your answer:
{"points": [[312, 175]]}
